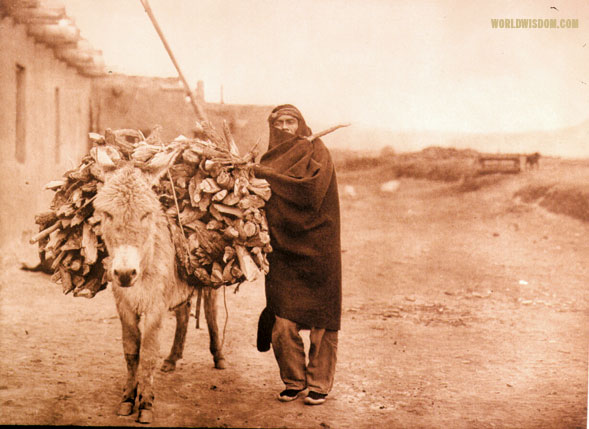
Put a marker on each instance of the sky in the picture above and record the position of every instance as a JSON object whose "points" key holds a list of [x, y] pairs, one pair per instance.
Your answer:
{"points": [[399, 65]]}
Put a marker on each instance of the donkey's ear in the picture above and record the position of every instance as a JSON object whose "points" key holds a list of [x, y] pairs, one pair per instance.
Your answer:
{"points": [[105, 160], [154, 175], [158, 165]]}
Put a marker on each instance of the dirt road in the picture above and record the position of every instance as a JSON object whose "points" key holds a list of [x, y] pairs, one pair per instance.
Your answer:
{"points": [[460, 310]]}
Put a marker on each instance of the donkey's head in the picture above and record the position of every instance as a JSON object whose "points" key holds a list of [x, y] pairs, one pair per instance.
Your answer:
{"points": [[130, 215]]}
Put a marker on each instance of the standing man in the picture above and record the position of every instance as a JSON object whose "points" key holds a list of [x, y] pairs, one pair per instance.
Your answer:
{"points": [[303, 286]]}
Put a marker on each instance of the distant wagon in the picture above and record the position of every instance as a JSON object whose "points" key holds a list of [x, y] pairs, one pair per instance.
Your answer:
{"points": [[499, 163]]}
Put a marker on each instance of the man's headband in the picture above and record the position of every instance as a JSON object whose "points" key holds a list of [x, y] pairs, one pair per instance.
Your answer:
{"points": [[285, 111]]}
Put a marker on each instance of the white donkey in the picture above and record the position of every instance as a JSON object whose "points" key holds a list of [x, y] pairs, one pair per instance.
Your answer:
{"points": [[145, 282]]}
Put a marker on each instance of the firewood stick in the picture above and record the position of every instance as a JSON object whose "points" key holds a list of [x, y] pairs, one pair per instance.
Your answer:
{"points": [[197, 309], [254, 149], [46, 232], [246, 263], [57, 260], [230, 141], [54, 184], [45, 219]]}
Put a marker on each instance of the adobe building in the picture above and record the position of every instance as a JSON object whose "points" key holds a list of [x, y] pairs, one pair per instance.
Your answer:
{"points": [[55, 90], [138, 102], [46, 73]]}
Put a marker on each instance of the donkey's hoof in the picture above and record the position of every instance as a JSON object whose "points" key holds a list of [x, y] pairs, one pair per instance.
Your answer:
{"points": [[168, 366], [125, 409], [220, 363], [145, 416]]}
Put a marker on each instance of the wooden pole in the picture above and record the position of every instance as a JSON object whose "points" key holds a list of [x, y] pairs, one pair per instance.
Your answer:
{"points": [[198, 110], [325, 132]]}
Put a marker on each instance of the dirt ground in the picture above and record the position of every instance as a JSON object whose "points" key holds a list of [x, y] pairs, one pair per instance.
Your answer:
{"points": [[460, 311]]}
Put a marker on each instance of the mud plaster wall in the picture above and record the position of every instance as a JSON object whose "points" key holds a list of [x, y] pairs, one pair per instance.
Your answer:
{"points": [[56, 117], [138, 102]]}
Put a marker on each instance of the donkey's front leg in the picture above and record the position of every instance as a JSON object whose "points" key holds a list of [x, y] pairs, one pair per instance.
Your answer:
{"points": [[182, 314], [131, 344], [150, 350], [210, 305]]}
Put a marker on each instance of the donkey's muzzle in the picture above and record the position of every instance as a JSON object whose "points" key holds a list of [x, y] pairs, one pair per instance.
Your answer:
{"points": [[125, 277]]}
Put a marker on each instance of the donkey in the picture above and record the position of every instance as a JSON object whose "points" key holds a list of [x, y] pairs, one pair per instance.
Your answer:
{"points": [[145, 282]]}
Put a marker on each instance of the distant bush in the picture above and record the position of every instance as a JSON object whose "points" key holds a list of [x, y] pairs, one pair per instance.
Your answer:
{"points": [[571, 201], [473, 183], [387, 152], [568, 199], [448, 152], [532, 193], [413, 165], [445, 170], [361, 163]]}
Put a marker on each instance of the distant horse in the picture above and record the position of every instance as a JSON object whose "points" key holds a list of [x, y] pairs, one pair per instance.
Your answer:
{"points": [[145, 282], [532, 160]]}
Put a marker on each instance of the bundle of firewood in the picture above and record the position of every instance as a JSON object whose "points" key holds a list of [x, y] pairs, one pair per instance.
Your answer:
{"points": [[213, 201], [69, 234]]}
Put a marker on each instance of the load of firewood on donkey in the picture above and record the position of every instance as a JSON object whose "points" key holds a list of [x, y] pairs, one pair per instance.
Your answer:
{"points": [[213, 201]]}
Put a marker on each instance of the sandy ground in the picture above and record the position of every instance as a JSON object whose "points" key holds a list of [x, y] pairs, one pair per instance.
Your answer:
{"points": [[460, 310]]}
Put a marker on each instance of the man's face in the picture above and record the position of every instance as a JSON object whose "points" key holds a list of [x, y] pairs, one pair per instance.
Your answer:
{"points": [[287, 123]]}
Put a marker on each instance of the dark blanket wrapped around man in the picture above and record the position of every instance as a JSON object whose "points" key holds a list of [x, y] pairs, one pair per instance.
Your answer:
{"points": [[304, 283]]}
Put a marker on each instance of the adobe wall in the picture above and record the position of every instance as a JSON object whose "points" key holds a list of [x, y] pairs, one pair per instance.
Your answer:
{"points": [[49, 149], [138, 102]]}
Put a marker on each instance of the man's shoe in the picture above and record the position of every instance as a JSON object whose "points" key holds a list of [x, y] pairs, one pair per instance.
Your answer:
{"points": [[288, 395], [315, 398]]}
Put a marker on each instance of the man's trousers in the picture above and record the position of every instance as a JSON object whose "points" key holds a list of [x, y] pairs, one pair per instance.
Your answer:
{"points": [[289, 350]]}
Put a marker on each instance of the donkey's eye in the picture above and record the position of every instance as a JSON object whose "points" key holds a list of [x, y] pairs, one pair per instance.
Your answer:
{"points": [[145, 216]]}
